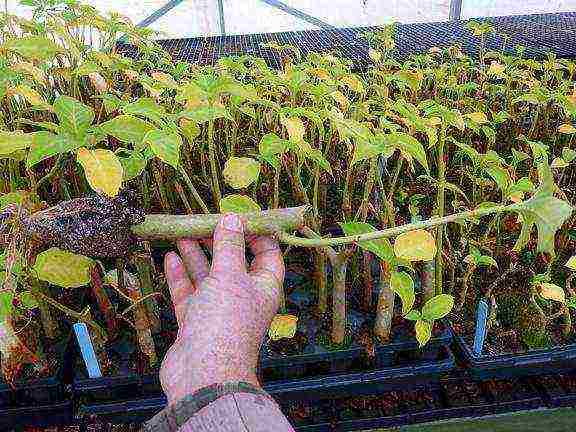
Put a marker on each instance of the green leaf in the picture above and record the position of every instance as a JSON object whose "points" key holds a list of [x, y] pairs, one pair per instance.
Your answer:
{"points": [[380, 247], [523, 185], [165, 145], [410, 148], [146, 107], [190, 130], [128, 129], [368, 149], [14, 141], [271, 145], [238, 204], [27, 300], [46, 144], [544, 211], [403, 285], [111, 102], [241, 172], [423, 332], [6, 298], [487, 261], [33, 47], [437, 307], [133, 165], [204, 114], [11, 198], [87, 68], [75, 117], [413, 315], [568, 154], [571, 263], [63, 268]]}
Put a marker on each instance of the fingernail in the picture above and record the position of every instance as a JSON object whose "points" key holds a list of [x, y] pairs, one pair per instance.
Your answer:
{"points": [[232, 222]]}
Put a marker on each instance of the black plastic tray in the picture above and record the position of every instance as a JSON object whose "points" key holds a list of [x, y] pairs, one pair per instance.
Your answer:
{"points": [[557, 395], [561, 359]]}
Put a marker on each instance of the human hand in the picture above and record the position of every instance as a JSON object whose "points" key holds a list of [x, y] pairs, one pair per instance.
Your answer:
{"points": [[223, 311]]}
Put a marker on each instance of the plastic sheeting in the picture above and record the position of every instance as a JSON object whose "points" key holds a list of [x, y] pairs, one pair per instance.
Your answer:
{"points": [[201, 17]]}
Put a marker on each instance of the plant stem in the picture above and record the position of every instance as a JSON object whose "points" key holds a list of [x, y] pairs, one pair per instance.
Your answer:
{"points": [[440, 204], [173, 227], [194, 191], [465, 285], [143, 262], [49, 324], [339, 267], [392, 232], [213, 165], [385, 308], [103, 301]]}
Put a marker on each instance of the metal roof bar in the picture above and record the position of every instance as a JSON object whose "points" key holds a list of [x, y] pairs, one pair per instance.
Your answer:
{"points": [[159, 13], [221, 16], [298, 14], [455, 10]]}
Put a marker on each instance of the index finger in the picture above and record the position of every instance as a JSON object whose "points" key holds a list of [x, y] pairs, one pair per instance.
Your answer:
{"points": [[267, 258]]}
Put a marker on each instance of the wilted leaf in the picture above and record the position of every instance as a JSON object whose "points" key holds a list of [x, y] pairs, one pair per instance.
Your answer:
{"points": [[33, 47], [496, 69], [320, 73], [63, 268], [437, 307], [165, 145], [418, 245], [29, 69], [241, 172], [238, 204], [551, 291], [32, 96], [403, 285], [103, 170], [283, 326], [128, 129], [342, 100], [423, 332]]}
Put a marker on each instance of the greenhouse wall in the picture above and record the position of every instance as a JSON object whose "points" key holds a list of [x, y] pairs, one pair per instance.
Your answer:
{"points": [[192, 18]]}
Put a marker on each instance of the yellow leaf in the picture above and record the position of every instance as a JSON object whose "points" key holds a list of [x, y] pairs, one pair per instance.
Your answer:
{"points": [[320, 73], [516, 196], [165, 79], [132, 75], [571, 263], [435, 50], [374, 55], [434, 121], [353, 82], [295, 128], [418, 245], [241, 172], [341, 99], [423, 332], [567, 129], [103, 170], [552, 292], [63, 268], [283, 326], [558, 163], [496, 68], [478, 117]]}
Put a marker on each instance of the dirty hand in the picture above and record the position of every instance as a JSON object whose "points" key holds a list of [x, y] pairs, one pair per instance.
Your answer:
{"points": [[223, 310]]}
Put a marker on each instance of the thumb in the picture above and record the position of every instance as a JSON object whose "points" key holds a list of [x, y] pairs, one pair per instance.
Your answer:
{"points": [[229, 258]]}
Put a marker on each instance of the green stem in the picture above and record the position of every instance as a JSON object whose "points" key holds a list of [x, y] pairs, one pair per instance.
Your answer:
{"points": [[193, 190], [440, 204], [392, 232], [213, 165]]}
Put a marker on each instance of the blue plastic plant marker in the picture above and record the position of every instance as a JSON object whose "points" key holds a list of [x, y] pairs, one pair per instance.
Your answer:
{"points": [[481, 321], [87, 350]]}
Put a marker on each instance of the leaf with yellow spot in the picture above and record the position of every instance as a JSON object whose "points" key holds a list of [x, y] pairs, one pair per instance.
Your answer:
{"points": [[103, 170], [62, 268], [283, 326], [320, 73], [353, 83], [341, 99], [477, 117], [295, 128], [571, 263], [32, 96], [241, 172], [552, 291], [567, 128], [417, 245], [496, 68]]}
